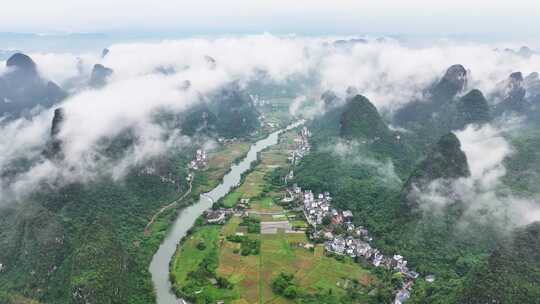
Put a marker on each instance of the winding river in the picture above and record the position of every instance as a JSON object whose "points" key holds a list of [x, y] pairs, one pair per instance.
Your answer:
{"points": [[159, 267]]}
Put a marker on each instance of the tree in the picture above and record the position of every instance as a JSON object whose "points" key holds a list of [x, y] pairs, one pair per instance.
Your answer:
{"points": [[290, 292]]}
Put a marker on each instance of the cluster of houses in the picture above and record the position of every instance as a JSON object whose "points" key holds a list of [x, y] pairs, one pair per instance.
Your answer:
{"points": [[220, 215], [151, 170], [268, 123], [317, 208], [227, 141], [200, 161], [356, 247], [355, 242], [168, 179], [302, 146], [318, 211]]}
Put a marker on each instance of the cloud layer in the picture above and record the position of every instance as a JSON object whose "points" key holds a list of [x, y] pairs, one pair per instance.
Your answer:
{"points": [[387, 72], [484, 196]]}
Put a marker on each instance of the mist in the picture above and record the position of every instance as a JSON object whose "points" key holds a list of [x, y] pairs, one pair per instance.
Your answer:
{"points": [[389, 73], [483, 195], [351, 151]]}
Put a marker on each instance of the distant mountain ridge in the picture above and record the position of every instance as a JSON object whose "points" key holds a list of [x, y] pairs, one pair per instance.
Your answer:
{"points": [[22, 88], [448, 105], [99, 76]]}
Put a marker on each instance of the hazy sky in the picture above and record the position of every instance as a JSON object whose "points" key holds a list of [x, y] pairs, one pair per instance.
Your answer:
{"points": [[424, 17]]}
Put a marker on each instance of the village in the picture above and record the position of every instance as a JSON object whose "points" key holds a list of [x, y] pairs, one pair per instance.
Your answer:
{"points": [[355, 241], [302, 146], [200, 161], [350, 240], [220, 215], [331, 226], [342, 237]]}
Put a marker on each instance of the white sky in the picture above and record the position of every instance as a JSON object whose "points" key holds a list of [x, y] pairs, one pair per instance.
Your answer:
{"points": [[516, 17]]}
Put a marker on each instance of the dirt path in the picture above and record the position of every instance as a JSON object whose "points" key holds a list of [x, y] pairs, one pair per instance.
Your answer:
{"points": [[164, 208]]}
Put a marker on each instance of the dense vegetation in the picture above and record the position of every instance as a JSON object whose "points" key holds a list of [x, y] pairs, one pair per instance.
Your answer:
{"points": [[284, 285], [248, 246], [84, 242], [511, 273], [444, 162], [252, 223], [228, 113], [464, 260], [360, 119]]}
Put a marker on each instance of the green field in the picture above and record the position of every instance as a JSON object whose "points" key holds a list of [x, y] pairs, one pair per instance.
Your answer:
{"points": [[252, 276], [232, 198], [190, 256]]}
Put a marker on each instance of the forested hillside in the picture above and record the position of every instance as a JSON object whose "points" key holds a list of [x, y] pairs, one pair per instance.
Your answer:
{"points": [[465, 260]]}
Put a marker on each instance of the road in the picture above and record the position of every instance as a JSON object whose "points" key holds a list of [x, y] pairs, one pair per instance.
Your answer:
{"points": [[164, 208]]}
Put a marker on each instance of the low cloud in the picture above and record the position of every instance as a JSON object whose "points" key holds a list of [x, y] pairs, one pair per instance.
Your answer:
{"points": [[391, 74], [388, 73], [60, 68], [296, 104], [129, 103], [307, 107], [484, 196], [352, 152], [486, 149]]}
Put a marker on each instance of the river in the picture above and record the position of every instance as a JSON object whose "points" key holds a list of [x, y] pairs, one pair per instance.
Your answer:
{"points": [[159, 267]]}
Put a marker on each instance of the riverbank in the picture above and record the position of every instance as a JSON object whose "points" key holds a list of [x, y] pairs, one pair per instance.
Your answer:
{"points": [[186, 218]]}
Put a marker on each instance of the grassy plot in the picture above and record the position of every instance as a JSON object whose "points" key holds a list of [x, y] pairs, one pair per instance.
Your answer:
{"points": [[232, 198], [192, 253], [252, 276], [313, 272], [265, 204], [231, 226], [193, 269]]}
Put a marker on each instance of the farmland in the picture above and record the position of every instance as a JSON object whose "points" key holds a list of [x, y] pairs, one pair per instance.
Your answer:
{"points": [[219, 162], [208, 266]]}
